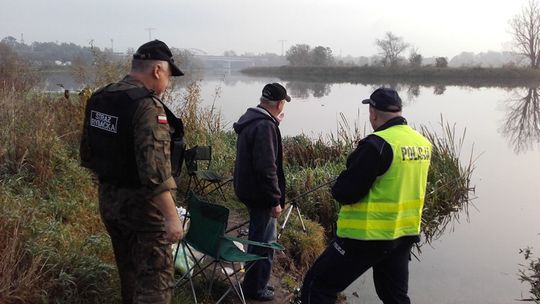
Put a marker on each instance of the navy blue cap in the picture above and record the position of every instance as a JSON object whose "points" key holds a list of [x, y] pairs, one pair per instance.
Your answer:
{"points": [[384, 99], [275, 92], [157, 50]]}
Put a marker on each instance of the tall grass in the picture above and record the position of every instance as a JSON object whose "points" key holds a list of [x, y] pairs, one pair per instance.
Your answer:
{"points": [[530, 274], [203, 126], [15, 73], [301, 248], [449, 189], [54, 248], [105, 68], [21, 271]]}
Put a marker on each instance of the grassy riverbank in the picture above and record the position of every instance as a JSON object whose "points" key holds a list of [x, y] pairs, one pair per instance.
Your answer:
{"points": [[427, 76], [53, 247]]}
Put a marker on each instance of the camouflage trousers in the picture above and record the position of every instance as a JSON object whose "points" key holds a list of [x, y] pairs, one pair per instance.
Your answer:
{"points": [[143, 257]]}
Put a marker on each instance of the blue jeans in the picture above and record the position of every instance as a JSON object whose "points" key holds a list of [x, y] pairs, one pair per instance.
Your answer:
{"points": [[344, 260], [262, 228]]}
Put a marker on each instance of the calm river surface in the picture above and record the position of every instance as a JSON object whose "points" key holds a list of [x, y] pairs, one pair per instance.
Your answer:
{"points": [[478, 261]]}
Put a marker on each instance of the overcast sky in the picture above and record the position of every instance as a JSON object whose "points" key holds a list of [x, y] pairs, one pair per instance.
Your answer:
{"points": [[349, 27]]}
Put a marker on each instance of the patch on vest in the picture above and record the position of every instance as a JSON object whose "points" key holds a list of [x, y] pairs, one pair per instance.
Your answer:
{"points": [[162, 119], [104, 121], [415, 153]]}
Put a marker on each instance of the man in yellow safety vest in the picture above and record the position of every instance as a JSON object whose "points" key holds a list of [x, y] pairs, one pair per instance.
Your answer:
{"points": [[381, 192]]}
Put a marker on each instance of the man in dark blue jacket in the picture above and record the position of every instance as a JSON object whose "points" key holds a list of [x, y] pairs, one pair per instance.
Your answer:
{"points": [[259, 181]]}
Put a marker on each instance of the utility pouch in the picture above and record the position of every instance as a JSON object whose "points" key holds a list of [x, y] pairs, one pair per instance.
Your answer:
{"points": [[178, 146]]}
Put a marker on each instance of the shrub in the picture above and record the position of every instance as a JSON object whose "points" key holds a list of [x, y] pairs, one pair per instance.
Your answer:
{"points": [[441, 62]]}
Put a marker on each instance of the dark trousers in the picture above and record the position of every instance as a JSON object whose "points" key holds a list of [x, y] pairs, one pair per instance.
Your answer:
{"points": [[344, 260], [262, 228]]}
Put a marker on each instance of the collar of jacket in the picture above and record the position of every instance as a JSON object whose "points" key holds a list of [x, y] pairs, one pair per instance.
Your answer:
{"points": [[132, 81], [400, 120], [266, 112]]}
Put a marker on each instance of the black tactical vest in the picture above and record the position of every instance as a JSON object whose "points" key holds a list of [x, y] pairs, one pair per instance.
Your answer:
{"points": [[109, 117]]}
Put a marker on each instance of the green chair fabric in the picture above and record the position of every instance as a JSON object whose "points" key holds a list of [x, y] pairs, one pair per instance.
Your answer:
{"points": [[206, 234]]}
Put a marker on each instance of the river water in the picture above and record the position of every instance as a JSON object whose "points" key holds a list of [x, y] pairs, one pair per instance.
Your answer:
{"points": [[477, 261]]}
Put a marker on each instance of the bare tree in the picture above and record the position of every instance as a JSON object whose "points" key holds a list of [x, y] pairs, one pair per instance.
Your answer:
{"points": [[415, 58], [390, 47], [522, 126], [525, 29]]}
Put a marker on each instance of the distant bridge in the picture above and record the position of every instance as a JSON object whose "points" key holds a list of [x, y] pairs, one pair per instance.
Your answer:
{"points": [[226, 62]]}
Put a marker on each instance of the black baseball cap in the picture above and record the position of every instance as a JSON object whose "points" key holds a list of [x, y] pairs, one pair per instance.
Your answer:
{"points": [[275, 92], [157, 50], [384, 99]]}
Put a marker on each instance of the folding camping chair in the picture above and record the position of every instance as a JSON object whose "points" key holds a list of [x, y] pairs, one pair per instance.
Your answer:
{"points": [[203, 179], [206, 234]]}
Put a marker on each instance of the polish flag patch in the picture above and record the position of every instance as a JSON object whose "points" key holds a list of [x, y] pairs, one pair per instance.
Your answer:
{"points": [[162, 119]]}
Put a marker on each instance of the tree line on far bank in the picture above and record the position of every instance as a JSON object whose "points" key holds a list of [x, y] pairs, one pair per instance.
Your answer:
{"points": [[524, 28], [390, 49]]}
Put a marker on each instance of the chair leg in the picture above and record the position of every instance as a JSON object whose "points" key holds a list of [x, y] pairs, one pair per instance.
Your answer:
{"points": [[189, 275], [179, 283], [212, 278], [221, 191], [198, 264], [237, 289], [199, 186], [188, 186], [239, 285]]}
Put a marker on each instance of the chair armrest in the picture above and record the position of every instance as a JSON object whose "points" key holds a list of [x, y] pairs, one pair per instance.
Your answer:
{"points": [[272, 245]]}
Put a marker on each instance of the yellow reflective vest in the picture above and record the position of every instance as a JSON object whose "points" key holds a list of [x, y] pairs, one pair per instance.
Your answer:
{"points": [[393, 206]]}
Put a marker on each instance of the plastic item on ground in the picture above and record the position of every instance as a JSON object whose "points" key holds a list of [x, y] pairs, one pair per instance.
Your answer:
{"points": [[183, 260]]}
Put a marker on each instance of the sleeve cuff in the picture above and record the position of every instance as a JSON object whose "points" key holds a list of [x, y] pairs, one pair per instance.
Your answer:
{"points": [[167, 185]]}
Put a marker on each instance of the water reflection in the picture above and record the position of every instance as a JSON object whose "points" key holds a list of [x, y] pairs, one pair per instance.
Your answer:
{"points": [[439, 89], [303, 90], [413, 91], [522, 122]]}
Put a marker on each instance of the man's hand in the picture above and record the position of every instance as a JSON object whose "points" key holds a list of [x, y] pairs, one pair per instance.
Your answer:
{"points": [[173, 230], [276, 211]]}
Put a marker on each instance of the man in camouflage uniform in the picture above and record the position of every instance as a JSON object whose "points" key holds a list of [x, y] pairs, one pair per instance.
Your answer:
{"points": [[126, 141]]}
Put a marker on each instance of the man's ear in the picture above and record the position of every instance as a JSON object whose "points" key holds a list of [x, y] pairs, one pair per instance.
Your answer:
{"points": [[281, 105], [155, 71], [372, 113]]}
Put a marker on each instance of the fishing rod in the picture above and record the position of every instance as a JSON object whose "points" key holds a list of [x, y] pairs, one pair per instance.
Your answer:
{"points": [[293, 205]]}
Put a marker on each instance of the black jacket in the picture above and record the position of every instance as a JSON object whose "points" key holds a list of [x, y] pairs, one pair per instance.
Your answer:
{"points": [[371, 158], [258, 172]]}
